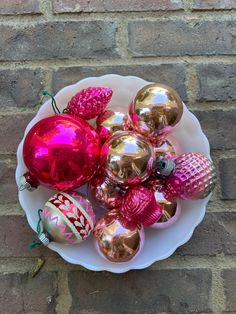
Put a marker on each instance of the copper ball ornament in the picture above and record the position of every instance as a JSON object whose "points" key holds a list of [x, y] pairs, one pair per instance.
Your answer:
{"points": [[109, 122], [116, 242], [105, 192], [156, 109], [164, 150], [127, 158]]}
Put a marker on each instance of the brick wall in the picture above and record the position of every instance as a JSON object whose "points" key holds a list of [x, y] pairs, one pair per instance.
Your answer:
{"points": [[190, 45]]}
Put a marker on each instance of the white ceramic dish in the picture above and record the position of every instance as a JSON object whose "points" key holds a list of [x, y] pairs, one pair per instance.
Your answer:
{"points": [[159, 244]]}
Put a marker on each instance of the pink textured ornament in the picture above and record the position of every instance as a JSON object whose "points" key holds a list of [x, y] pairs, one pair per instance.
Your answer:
{"points": [[66, 218], [140, 206], [193, 177], [62, 152], [89, 102], [106, 192]]}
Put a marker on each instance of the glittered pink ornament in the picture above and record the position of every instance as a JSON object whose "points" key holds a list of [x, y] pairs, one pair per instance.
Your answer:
{"points": [[140, 206], [89, 102], [62, 152], [192, 177]]}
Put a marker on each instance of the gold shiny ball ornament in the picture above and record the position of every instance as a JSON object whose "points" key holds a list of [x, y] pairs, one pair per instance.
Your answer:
{"points": [[171, 211], [127, 158], [109, 122], [165, 150], [155, 110], [116, 242]]}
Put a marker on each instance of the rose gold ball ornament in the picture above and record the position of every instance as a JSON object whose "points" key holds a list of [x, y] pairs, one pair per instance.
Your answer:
{"points": [[155, 110], [140, 206], [127, 158], [171, 210], [116, 242], [67, 218], [106, 192], [193, 176], [165, 150], [109, 122]]}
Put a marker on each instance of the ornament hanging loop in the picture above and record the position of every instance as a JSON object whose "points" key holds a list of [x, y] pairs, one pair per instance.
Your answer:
{"points": [[45, 92]]}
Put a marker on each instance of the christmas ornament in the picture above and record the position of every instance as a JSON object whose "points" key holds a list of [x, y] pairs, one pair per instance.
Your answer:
{"points": [[165, 150], [192, 177], [155, 110], [114, 241], [140, 206], [109, 121], [127, 158], [170, 211], [105, 192], [28, 181], [62, 152], [154, 184], [89, 102], [66, 218]]}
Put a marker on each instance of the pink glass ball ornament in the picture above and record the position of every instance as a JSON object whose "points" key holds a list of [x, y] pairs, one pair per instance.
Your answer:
{"points": [[127, 158], [116, 242], [62, 152], [67, 218]]}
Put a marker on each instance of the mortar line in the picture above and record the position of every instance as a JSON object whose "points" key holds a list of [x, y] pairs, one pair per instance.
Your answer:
{"points": [[64, 299]]}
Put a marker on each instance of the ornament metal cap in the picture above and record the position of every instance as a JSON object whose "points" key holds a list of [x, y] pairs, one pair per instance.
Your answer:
{"points": [[43, 237], [28, 182], [165, 167]]}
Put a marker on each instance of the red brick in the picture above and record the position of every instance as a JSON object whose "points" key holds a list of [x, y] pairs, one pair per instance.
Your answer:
{"points": [[228, 178], [150, 291], [13, 7], [65, 6], [8, 188], [176, 38], [215, 235], [84, 39], [229, 279], [213, 4], [217, 81], [20, 88], [170, 74], [12, 130], [219, 126], [15, 236], [20, 293]]}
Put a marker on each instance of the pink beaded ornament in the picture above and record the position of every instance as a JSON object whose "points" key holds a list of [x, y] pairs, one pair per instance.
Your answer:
{"points": [[89, 102], [193, 176]]}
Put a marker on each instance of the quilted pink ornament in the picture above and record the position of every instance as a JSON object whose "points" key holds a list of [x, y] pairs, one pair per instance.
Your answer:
{"points": [[192, 177], [89, 102], [140, 206]]}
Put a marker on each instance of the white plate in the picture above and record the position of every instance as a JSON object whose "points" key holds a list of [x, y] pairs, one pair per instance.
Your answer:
{"points": [[159, 244]]}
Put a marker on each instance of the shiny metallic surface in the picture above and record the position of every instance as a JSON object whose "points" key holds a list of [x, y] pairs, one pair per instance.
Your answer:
{"points": [[109, 122], [168, 207], [127, 158], [165, 150], [62, 152], [105, 192], [155, 110], [116, 242]]}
